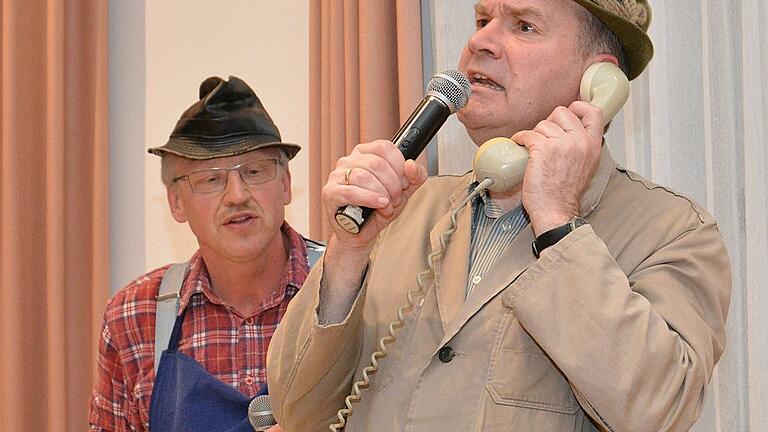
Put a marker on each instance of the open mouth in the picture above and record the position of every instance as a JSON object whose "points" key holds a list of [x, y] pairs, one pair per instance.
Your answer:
{"points": [[481, 80], [241, 219]]}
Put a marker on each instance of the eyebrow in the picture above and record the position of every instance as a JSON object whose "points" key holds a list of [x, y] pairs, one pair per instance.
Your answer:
{"points": [[512, 11]]}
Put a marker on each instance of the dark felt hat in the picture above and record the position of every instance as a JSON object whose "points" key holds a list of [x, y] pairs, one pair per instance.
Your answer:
{"points": [[629, 21], [228, 120]]}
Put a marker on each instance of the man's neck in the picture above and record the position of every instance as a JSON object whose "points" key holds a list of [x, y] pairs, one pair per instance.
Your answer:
{"points": [[507, 200], [246, 285]]}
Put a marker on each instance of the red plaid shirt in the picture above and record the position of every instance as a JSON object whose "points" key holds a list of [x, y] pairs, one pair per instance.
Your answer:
{"points": [[230, 347]]}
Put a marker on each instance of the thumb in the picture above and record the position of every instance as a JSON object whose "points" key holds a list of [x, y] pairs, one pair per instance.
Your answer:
{"points": [[591, 117], [525, 138], [416, 173]]}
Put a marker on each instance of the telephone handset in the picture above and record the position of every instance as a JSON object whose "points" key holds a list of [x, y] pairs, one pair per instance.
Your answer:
{"points": [[500, 163], [503, 161]]}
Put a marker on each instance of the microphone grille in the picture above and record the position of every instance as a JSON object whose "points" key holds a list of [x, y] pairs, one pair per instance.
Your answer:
{"points": [[453, 86], [260, 413]]}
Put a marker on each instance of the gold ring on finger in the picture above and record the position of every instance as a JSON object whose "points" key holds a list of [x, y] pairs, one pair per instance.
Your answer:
{"points": [[346, 176]]}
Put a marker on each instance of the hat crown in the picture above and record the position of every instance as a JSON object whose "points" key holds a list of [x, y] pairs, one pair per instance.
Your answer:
{"points": [[635, 11], [226, 108], [228, 119], [227, 96]]}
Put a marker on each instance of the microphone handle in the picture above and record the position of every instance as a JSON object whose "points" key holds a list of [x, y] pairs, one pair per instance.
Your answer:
{"points": [[411, 139]]}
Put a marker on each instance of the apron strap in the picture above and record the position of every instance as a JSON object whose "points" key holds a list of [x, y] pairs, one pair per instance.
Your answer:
{"points": [[168, 306]]}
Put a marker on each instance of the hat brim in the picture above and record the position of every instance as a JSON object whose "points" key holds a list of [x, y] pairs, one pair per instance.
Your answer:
{"points": [[205, 149], [635, 40]]}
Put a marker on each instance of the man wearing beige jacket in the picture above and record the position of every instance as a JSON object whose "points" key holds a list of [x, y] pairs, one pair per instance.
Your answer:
{"points": [[613, 323]]}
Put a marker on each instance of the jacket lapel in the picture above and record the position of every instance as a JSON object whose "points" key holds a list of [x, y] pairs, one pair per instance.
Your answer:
{"points": [[453, 266]]}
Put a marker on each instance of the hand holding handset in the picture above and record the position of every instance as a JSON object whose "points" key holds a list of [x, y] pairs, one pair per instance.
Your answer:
{"points": [[500, 165], [503, 161]]}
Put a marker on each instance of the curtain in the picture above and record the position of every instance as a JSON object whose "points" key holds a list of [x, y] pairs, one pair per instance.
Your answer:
{"points": [[697, 121], [365, 78], [54, 209]]}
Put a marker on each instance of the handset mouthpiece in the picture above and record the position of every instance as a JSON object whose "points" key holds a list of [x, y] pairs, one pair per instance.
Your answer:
{"points": [[501, 160]]}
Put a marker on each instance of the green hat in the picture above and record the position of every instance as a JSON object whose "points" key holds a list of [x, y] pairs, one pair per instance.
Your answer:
{"points": [[228, 120], [629, 21]]}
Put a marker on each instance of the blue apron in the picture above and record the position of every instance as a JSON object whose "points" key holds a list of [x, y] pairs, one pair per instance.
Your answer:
{"points": [[187, 398]]}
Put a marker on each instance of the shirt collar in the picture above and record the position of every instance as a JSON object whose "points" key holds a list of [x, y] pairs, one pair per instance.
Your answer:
{"points": [[485, 203]]}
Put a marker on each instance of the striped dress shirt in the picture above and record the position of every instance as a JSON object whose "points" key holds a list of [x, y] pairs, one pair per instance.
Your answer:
{"points": [[492, 231]]}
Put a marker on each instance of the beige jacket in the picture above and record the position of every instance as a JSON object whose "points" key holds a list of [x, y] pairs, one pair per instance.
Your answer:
{"points": [[617, 328]]}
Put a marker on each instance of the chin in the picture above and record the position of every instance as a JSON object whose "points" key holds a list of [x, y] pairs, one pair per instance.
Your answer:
{"points": [[476, 130], [469, 119]]}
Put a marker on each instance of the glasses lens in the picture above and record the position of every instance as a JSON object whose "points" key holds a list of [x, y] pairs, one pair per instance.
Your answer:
{"points": [[215, 179], [211, 180], [258, 171]]}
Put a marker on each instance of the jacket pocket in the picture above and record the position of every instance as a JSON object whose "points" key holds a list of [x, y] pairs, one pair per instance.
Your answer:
{"points": [[521, 375]]}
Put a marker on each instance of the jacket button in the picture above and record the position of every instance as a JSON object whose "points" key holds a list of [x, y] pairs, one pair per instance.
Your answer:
{"points": [[446, 354]]}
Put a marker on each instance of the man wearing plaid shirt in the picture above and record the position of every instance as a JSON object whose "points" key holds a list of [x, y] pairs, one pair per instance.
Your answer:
{"points": [[226, 173]]}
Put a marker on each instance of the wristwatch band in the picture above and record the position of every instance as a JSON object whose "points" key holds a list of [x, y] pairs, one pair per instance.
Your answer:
{"points": [[554, 235]]}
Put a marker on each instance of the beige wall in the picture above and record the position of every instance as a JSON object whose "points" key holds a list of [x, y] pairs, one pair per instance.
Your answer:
{"points": [[263, 42]]}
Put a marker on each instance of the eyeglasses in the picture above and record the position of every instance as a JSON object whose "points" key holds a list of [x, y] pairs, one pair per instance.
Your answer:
{"points": [[215, 179]]}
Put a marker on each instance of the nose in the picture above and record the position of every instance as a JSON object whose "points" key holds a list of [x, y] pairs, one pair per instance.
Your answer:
{"points": [[237, 191], [485, 40]]}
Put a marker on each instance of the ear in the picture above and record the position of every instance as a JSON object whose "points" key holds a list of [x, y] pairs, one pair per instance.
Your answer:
{"points": [[600, 58], [286, 182], [176, 204]]}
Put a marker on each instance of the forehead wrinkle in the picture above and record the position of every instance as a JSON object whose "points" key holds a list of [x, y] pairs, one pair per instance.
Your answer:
{"points": [[230, 161], [509, 10]]}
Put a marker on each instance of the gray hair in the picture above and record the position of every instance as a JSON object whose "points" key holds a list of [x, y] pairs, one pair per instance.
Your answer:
{"points": [[168, 168], [595, 38]]}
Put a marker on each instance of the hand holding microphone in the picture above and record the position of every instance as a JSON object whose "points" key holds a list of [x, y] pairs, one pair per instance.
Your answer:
{"points": [[372, 186], [373, 176], [447, 92]]}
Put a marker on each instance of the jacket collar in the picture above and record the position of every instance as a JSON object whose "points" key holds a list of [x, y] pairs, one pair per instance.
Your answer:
{"points": [[605, 170]]}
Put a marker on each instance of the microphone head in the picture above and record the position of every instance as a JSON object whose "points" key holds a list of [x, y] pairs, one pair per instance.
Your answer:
{"points": [[260, 413], [452, 87]]}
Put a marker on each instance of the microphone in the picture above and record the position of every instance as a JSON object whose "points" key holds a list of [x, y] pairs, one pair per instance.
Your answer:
{"points": [[260, 413], [447, 92]]}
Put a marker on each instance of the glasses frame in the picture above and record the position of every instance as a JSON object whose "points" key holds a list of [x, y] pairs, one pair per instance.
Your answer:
{"points": [[278, 162]]}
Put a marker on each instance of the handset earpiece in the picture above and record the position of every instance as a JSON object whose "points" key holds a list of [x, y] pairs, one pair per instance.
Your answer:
{"points": [[503, 161], [604, 85]]}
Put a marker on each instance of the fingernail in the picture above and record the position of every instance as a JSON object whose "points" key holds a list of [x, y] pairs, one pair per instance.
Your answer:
{"points": [[383, 201]]}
